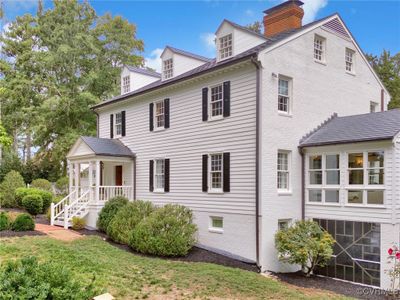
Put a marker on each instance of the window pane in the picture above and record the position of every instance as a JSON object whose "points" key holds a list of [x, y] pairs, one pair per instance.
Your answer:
{"points": [[283, 87], [283, 180], [355, 197], [283, 161], [315, 177], [375, 159], [332, 161], [315, 195], [217, 222], [375, 197], [356, 160], [375, 176], [332, 177], [356, 177], [316, 162], [332, 196]]}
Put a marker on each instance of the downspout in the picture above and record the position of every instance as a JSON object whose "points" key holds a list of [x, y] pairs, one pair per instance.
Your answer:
{"points": [[303, 190], [134, 178], [97, 123], [258, 66]]}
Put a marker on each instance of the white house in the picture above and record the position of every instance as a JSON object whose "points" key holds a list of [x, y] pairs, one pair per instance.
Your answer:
{"points": [[230, 138]]}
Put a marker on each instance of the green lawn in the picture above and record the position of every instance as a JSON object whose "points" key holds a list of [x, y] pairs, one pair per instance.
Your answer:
{"points": [[129, 276]]}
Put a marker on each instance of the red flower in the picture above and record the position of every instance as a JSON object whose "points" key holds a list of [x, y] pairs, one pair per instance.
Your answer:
{"points": [[390, 251], [398, 255]]}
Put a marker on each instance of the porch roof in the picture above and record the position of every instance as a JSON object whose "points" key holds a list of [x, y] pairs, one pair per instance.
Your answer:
{"points": [[354, 129], [100, 147]]}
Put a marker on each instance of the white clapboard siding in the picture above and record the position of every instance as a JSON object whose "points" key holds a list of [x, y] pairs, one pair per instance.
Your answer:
{"points": [[188, 138]]}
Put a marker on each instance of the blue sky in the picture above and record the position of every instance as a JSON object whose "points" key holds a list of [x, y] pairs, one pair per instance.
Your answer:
{"points": [[190, 25]]}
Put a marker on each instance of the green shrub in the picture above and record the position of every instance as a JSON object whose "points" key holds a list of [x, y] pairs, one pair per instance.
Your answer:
{"points": [[11, 182], [42, 184], [47, 198], [126, 219], [20, 193], [62, 185], [78, 223], [33, 204], [28, 279], [168, 231], [306, 244], [108, 212], [23, 222], [4, 221]]}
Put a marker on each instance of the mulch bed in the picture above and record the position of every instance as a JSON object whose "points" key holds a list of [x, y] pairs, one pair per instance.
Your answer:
{"points": [[330, 284]]}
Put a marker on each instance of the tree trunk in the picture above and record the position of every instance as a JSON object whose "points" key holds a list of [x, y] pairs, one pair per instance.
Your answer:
{"points": [[28, 146], [15, 141]]}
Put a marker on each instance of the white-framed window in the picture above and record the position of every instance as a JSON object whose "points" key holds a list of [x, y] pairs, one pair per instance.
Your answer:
{"points": [[349, 60], [284, 92], [323, 183], [283, 171], [168, 68], [373, 106], [159, 175], [118, 124], [225, 47], [126, 84], [216, 224], [216, 172], [159, 117], [216, 100], [284, 224], [366, 177], [319, 48]]}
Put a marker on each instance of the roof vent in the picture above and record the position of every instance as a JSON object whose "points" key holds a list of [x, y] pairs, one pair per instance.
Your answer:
{"points": [[283, 17]]}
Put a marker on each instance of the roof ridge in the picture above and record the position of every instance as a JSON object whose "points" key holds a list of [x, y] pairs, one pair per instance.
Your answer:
{"points": [[310, 133], [234, 24], [143, 71], [190, 54]]}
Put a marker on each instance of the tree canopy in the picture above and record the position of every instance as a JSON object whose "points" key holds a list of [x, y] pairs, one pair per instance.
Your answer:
{"points": [[54, 66]]}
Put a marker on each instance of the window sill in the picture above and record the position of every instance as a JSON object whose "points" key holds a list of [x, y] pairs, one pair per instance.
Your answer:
{"points": [[285, 114], [159, 192], [351, 73], [323, 203], [159, 128], [379, 206], [321, 62], [216, 230], [213, 119], [285, 193], [217, 192]]}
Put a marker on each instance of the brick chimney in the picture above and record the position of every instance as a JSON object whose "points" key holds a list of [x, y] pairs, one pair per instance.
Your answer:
{"points": [[283, 17]]}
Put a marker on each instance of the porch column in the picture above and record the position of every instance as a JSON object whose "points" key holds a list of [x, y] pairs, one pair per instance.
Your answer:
{"points": [[97, 180], [91, 180], [77, 174], [70, 176]]}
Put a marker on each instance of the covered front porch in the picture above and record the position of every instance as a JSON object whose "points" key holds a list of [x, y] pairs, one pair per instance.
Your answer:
{"points": [[98, 169]]}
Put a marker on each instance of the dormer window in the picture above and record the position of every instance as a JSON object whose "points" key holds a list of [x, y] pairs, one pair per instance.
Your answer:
{"points": [[225, 46], [126, 84], [168, 66]]}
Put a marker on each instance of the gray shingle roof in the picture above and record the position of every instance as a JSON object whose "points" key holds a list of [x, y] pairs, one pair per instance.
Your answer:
{"points": [[144, 71], [107, 147], [357, 128], [211, 65], [189, 54]]}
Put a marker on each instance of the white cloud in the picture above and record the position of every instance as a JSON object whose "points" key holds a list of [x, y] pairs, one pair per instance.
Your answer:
{"points": [[208, 40], [311, 8], [154, 60]]}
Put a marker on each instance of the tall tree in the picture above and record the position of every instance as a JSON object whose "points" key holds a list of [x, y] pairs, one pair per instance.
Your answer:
{"points": [[388, 69], [256, 26]]}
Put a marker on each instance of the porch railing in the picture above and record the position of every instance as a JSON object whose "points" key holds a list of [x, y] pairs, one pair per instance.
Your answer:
{"points": [[105, 193]]}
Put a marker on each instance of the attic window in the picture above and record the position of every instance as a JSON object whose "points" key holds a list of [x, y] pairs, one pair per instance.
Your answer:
{"points": [[168, 68], [319, 48], [126, 84], [225, 46], [349, 58]]}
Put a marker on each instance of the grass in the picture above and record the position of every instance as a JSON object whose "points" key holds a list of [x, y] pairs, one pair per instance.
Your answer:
{"points": [[129, 276]]}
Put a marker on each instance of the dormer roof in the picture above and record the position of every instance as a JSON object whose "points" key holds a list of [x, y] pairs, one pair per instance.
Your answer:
{"points": [[186, 53], [240, 27], [144, 71]]}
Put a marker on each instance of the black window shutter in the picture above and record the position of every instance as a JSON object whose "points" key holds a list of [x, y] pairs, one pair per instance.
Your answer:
{"points": [[227, 98], [151, 176], [111, 126], [166, 175], [205, 104], [227, 172], [205, 173], [151, 116], [123, 131], [166, 113]]}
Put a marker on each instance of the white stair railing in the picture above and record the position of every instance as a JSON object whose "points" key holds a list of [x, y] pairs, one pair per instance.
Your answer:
{"points": [[57, 209]]}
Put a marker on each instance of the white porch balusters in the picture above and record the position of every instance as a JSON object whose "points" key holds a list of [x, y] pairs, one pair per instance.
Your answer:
{"points": [[91, 180], [71, 176], [97, 180], [77, 174], [51, 213]]}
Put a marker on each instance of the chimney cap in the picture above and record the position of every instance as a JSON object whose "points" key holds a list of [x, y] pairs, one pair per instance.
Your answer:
{"points": [[284, 4]]}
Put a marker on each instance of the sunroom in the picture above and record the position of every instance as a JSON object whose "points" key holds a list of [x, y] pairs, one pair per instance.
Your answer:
{"points": [[99, 169]]}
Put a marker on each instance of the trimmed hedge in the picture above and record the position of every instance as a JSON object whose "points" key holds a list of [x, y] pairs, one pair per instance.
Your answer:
{"points": [[127, 218], [109, 210], [42, 184], [168, 231], [46, 196], [33, 204], [23, 222], [5, 221]]}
